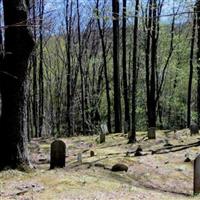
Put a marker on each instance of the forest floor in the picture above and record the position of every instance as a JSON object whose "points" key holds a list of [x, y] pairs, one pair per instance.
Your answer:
{"points": [[160, 176]]}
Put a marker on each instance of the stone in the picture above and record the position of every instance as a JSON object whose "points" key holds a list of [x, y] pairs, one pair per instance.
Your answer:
{"points": [[138, 151], [194, 129], [119, 167], [152, 133], [104, 129], [197, 175], [58, 151], [102, 138], [92, 154], [79, 157], [187, 159]]}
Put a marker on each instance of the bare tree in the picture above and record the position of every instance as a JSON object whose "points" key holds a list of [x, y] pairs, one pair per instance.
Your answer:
{"points": [[116, 71], [18, 46]]}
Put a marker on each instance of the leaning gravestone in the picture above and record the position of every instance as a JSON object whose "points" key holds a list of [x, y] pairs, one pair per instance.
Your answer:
{"points": [[58, 151], [152, 133], [197, 175], [194, 129]]}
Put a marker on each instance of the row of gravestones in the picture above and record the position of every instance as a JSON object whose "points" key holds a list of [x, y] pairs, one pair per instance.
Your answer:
{"points": [[58, 152]]}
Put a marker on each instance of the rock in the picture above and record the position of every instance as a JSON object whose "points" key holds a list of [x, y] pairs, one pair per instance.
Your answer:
{"points": [[58, 151], [119, 167], [104, 129], [187, 159], [138, 151], [194, 129], [152, 133]]}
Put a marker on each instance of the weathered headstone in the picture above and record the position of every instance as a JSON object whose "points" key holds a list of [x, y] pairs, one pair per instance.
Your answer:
{"points": [[102, 138], [92, 154], [79, 157], [104, 129], [194, 129], [197, 175], [152, 133], [58, 151]]}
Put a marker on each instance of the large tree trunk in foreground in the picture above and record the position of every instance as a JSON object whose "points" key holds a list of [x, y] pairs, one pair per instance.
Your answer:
{"points": [[18, 46]]}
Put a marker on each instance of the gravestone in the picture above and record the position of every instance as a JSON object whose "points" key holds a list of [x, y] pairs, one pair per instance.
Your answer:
{"points": [[102, 138], [104, 129], [194, 129], [92, 154], [152, 133], [197, 175], [79, 157], [58, 150]]}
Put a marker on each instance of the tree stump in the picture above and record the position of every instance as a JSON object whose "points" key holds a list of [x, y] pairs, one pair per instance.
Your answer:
{"points": [[58, 150]]}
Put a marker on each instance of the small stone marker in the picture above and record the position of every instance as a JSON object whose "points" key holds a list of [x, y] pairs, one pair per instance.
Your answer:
{"points": [[104, 129], [102, 138], [152, 133], [138, 151], [58, 150], [194, 129], [197, 175], [92, 154], [79, 157]]}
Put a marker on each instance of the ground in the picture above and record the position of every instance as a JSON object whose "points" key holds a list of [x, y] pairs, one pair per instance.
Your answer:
{"points": [[162, 175]]}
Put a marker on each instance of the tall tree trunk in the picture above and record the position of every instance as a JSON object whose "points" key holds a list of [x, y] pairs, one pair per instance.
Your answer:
{"points": [[35, 80], [191, 71], [81, 71], [116, 71], [152, 97], [101, 33], [41, 74], [18, 46], [124, 66], [147, 59], [68, 49], [198, 59], [132, 137]]}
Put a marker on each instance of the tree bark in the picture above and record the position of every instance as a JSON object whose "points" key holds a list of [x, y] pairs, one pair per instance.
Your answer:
{"points": [[132, 137], [198, 59], [116, 71], [191, 71], [41, 74], [124, 66], [103, 45], [18, 46]]}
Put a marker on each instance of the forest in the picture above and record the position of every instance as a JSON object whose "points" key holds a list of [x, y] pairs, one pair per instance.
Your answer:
{"points": [[99, 99]]}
